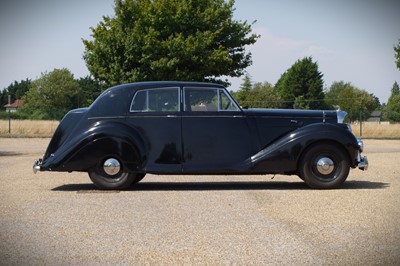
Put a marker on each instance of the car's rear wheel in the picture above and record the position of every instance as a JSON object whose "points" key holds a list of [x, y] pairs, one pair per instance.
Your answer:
{"points": [[109, 174], [324, 166]]}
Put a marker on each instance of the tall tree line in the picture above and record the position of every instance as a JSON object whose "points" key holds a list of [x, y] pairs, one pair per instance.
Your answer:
{"points": [[301, 87], [52, 95]]}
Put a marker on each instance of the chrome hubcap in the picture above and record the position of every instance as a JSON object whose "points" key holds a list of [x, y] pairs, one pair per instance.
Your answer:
{"points": [[325, 166], [111, 166]]}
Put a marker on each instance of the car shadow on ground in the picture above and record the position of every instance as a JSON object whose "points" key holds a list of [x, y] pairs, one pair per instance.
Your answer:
{"points": [[208, 186]]}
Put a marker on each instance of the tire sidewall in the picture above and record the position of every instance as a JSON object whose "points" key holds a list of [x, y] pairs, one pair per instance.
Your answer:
{"points": [[317, 180], [103, 181], [121, 180]]}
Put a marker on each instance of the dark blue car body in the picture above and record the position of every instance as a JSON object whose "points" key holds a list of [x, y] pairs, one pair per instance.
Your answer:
{"points": [[198, 128]]}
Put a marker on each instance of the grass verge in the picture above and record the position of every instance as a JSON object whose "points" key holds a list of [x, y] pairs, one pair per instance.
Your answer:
{"points": [[27, 128], [377, 131]]}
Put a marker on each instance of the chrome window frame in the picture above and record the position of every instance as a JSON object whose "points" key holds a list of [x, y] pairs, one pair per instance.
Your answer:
{"points": [[218, 90], [230, 99], [147, 100]]}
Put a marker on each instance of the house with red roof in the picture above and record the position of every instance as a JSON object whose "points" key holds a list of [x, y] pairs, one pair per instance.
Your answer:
{"points": [[13, 107]]}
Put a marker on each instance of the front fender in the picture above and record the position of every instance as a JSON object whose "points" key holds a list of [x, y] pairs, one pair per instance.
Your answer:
{"points": [[102, 139], [283, 155]]}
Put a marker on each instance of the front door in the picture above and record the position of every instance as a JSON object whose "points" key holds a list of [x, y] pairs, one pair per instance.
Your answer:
{"points": [[215, 132]]}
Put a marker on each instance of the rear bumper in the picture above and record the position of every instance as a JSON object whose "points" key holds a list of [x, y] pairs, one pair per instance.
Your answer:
{"points": [[36, 165]]}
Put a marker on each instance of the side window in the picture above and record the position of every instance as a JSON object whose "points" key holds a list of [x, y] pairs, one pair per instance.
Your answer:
{"points": [[208, 100], [201, 100], [226, 103], [156, 100], [139, 102]]}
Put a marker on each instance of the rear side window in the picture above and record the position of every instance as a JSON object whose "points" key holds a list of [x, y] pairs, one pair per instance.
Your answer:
{"points": [[156, 100]]}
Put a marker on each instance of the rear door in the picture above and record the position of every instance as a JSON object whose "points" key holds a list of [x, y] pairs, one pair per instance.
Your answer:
{"points": [[155, 113]]}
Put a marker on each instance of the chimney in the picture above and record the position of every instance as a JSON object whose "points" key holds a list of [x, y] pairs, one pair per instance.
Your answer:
{"points": [[9, 99]]}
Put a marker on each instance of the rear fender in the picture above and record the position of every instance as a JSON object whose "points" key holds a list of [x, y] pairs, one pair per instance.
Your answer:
{"points": [[104, 139]]}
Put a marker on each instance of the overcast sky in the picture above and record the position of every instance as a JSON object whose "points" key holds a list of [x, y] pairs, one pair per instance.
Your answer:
{"points": [[352, 40]]}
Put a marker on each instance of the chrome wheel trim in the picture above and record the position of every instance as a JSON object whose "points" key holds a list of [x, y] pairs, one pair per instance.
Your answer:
{"points": [[111, 167], [325, 166]]}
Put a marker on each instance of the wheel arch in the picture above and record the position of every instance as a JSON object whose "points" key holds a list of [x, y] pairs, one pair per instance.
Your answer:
{"points": [[103, 139], [126, 151], [315, 134], [327, 141]]}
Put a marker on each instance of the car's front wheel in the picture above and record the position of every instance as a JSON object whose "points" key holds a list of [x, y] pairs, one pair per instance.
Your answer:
{"points": [[324, 166], [109, 174]]}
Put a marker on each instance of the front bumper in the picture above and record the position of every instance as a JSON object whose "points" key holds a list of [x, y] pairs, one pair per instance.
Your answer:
{"points": [[362, 160], [363, 163], [36, 165]]}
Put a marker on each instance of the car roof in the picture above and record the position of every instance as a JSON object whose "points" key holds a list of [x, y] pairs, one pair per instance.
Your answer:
{"points": [[161, 84]]}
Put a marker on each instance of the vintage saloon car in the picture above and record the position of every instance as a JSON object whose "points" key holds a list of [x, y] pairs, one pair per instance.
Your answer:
{"points": [[198, 128]]}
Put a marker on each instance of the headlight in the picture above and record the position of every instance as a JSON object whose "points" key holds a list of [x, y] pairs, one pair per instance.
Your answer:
{"points": [[341, 116]]}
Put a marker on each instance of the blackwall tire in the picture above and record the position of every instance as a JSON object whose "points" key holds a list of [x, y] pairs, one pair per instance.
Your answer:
{"points": [[324, 166], [116, 181]]}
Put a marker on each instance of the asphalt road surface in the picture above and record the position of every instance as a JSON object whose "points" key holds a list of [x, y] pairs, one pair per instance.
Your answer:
{"points": [[61, 219]]}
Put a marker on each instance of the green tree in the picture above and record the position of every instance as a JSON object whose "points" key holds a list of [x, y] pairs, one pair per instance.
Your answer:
{"points": [[16, 89], [395, 89], [242, 94], [259, 95], [376, 100], [3, 98], [301, 86], [350, 99], [393, 105], [263, 95], [50, 96], [196, 40], [397, 55], [300, 103], [89, 89]]}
